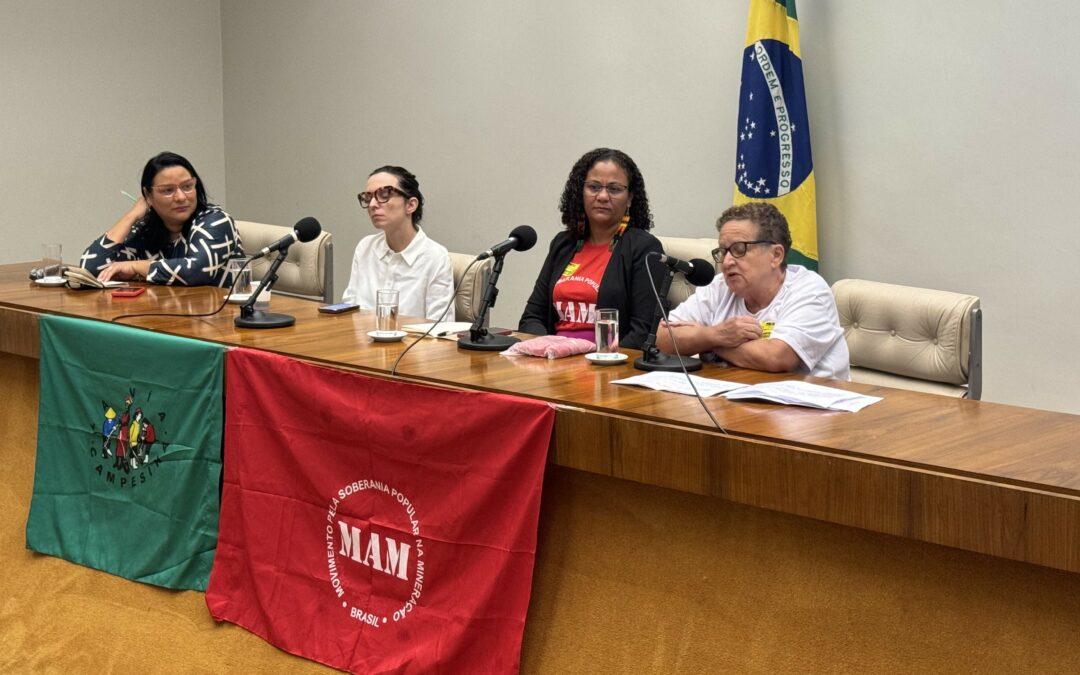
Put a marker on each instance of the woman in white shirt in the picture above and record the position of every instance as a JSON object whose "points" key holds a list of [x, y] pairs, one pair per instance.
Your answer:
{"points": [[400, 256]]}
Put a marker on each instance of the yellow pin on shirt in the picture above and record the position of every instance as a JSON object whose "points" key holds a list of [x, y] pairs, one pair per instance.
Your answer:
{"points": [[766, 329], [570, 269]]}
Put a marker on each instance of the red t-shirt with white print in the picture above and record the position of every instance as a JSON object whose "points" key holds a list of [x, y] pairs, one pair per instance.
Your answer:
{"points": [[576, 291]]}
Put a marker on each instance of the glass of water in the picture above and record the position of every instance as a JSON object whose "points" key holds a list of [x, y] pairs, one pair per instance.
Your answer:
{"points": [[52, 264], [240, 280], [607, 333], [386, 307]]}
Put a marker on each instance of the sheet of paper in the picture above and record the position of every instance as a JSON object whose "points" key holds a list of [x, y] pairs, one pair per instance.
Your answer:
{"points": [[441, 329], [795, 392], [788, 392], [677, 383]]}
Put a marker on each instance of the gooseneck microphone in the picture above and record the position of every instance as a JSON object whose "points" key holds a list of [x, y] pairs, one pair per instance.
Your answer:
{"points": [[522, 238], [697, 271], [305, 230]]}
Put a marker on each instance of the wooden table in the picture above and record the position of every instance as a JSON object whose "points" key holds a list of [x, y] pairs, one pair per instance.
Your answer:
{"points": [[985, 477], [977, 476]]}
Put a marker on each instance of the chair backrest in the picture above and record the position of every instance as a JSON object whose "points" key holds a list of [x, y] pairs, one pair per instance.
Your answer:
{"points": [[471, 285], [685, 249], [912, 338], [307, 272]]}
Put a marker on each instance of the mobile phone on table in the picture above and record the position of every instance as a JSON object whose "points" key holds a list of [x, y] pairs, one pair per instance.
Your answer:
{"points": [[128, 291], [339, 308]]}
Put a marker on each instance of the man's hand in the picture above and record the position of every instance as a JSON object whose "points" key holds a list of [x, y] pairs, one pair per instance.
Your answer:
{"points": [[694, 337], [735, 331]]}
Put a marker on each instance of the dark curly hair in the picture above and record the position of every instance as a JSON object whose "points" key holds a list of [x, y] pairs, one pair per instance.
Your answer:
{"points": [[157, 235], [408, 184], [771, 223], [572, 204]]}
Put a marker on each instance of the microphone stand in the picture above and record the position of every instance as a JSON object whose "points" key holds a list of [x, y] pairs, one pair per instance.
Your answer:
{"points": [[651, 357], [479, 338], [254, 318]]}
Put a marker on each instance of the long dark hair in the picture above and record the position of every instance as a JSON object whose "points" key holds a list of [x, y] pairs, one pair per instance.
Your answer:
{"points": [[157, 235], [572, 204], [408, 184]]}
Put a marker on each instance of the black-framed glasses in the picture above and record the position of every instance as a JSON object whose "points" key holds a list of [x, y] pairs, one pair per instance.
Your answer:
{"points": [[613, 189], [382, 195], [166, 191], [737, 249]]}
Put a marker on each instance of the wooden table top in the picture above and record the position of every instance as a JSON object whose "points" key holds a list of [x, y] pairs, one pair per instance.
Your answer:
{"points": [[977, 439]]}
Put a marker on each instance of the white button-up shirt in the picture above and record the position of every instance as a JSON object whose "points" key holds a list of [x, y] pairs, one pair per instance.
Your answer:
{"points": [[422, 275]]}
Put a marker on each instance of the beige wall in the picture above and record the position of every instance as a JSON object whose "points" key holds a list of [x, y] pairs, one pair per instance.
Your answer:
{"points": [[88, 92], [930, 121], [947, 156], [489, 103]]}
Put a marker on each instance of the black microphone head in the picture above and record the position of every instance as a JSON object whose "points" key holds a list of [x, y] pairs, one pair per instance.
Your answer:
{"points": [[307, 229], [703, 273], [526, 237]]}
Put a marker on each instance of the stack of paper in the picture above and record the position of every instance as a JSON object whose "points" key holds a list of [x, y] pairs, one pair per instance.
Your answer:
{"points": [[677, 382], [441, 329], [790, 392], [796, 392]]}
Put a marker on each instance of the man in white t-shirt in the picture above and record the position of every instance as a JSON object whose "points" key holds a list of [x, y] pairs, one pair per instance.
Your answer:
{"points": [[760, 312]]}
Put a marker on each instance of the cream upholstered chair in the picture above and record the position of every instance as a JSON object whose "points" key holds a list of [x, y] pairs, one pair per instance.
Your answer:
{"points": [[471, 285], [685, 249], [912, 338], [307, 272]]}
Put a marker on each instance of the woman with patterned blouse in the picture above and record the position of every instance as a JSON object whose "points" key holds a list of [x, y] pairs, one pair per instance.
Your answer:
{"points": [[172, 235]]}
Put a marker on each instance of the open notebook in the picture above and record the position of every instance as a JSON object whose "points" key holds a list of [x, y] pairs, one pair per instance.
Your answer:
{"points": [[78, 277]]}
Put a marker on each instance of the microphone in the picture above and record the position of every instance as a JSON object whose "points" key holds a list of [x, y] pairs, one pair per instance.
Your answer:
{"points": [[698, 272], [305, 230], [522, 238]]}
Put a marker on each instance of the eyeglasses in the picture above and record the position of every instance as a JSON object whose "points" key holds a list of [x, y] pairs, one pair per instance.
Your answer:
{"points": [[382, 195], [613, 189], [187, 187], [737, 249]]}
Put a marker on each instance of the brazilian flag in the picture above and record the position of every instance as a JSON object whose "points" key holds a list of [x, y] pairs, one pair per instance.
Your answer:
{"points": [[128, 452], [773, 162]]}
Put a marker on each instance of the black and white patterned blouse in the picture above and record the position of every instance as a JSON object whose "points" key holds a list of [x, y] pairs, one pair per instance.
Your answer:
{"points": [[197, 258]]}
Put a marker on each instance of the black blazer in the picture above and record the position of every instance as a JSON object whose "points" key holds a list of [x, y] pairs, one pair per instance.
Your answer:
{"points": [[624, 286]]}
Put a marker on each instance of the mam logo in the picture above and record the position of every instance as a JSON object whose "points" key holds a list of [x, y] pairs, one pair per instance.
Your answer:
{"points": [[125, 451], [374, 552]]}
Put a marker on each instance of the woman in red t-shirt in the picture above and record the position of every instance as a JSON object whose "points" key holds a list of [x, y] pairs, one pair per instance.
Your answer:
{"points": [[598, 261]]}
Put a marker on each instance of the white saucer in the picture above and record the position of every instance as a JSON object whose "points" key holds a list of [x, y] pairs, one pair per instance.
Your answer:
{"points": [[51, 281], [605, 360], [386, 337], [239, 298]]}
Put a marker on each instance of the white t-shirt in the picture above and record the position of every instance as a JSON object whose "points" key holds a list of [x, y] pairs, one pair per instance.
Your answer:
{"points": [[803, 314], [422, 275]]}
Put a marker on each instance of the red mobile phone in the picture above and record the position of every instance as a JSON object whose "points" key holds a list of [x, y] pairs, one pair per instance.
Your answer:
{"points": [[128, 291]]}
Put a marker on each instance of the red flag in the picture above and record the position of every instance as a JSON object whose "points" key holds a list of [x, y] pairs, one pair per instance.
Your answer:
{"points": [[376, 525]]}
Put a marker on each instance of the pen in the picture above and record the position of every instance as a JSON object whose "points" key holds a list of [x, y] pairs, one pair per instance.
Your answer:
{"points": [[130, 196]]}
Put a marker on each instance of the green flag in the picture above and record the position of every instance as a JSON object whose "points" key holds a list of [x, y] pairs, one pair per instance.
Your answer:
{"points": [[128, 452]]}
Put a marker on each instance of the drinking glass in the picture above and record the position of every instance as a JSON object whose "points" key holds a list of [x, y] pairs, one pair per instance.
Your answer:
{"points": [[386, 309], [241, 278], [607, 333], [52, 261]]}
